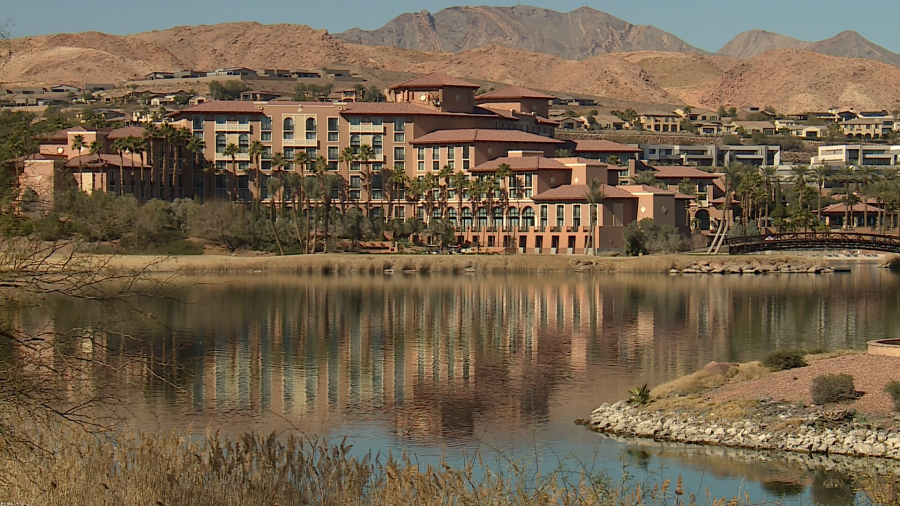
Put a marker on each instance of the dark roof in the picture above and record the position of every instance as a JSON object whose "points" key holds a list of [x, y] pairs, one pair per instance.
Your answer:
{"points": [[578, 192], [602, 146], [512, 93], [681, 172], [434, 80], [467, 135], [59, 135]]}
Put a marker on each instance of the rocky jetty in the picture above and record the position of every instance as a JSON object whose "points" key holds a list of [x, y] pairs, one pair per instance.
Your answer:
{"points": [[767, 425], [745, 267]]}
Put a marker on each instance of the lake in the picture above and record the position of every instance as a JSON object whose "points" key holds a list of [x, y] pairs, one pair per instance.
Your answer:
{"points": [[448, 366]]}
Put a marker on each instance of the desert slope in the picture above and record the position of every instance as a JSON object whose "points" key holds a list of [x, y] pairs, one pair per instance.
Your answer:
{"points": [[754, 42]]}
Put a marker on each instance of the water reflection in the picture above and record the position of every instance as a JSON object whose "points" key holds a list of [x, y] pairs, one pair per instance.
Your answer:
{"points": [[434, 362]]}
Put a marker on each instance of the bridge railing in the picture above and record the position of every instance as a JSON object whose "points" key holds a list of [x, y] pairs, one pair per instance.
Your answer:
{"points": [[812, 240]]}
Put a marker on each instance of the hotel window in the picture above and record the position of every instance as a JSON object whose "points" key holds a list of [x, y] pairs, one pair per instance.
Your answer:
{"points": [[310, 129], [243, 120], [355, 143], [265, 136], [451, 165], [244, 143], [420, 154], [355, 166], [399, 155], [543, 215], [399, 167], [420, 166], [220, 143], [244, 165], [220, 120], [399, 129], [333, 130], [377, 121], [267, 153], [400, 212], [451, 152], [576, 215], [435, 165], [265, 124], [266, 165], [288, 128], [332, 166], [377, 144], [355, 184], [288, 154], [528, 187], [333, 153], [354, 121], [198, 122], [311, 154], [377, 187]]}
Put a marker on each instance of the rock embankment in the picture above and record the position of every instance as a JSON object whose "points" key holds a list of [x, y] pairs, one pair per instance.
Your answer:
{"points": [[769, 425], [715, 267]]}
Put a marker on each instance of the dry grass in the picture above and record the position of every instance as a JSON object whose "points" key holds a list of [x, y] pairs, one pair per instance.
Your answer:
{"points": [[830, 354], [345, 263], [703, 380], [167, 469]]}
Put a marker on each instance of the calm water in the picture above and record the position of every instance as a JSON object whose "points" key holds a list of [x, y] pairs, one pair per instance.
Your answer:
{"points": [[443, 366]]}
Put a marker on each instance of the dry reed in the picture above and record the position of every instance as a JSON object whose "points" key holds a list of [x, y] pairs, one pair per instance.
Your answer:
{"points": [[134, 468]]}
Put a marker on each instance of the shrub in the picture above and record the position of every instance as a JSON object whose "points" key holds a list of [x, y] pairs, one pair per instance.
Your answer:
{"points": [[639, 396], [780, 360], [830, 388], [893, 389]]}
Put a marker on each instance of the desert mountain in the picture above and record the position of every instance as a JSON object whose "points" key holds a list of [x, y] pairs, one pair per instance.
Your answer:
{"points": [[576, 35], [753, 42], [847, 44], [790, 80]]}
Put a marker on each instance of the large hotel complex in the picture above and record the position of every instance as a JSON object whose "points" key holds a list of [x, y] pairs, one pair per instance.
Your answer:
{"points": [[429, 125]]}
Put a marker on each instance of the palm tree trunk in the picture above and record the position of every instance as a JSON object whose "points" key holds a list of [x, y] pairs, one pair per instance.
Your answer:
{"points": [[275, 229]]}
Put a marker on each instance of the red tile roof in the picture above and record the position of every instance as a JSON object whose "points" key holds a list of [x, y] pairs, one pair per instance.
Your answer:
{"points": [[642, 188], [602, 146], [512, 93], [59, 135], [91, 161], [680, 172], [841, 208], [433, 80], [578, 192], [121, 133], [521, 163], [388, 108], [226, 106], [468, 135], [683, 196]]}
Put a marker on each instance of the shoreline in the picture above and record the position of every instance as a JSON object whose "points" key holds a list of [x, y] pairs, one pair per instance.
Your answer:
{"points": [[750, 414], [349, 263]]}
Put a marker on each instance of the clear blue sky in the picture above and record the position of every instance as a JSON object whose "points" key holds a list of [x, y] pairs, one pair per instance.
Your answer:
{"points": [[708, 24]]}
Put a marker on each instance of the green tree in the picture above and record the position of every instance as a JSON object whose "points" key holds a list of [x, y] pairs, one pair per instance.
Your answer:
{"points": [[274, 185], [231, 151], [256, 150], [822, 173], [800, 175], [79, 145], [687, 187], [647, 178], [120, 145]]}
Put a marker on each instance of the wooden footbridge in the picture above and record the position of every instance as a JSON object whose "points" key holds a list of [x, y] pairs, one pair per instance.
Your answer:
{"points": [[812, 241]]}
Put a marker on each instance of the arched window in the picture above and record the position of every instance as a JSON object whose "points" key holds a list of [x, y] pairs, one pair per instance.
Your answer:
{"points": [[467, 217], [513, 215], [220, 143], [310, 124], [354, 143], [288, 127], [376, 144], [528, 217], [451, 216], [244, 143]]}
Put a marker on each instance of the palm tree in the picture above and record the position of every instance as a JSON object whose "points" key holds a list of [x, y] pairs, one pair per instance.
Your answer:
{"points": [[274, 184], [94, 149], [348, 156], [79, 145], [848, 175], [733, 173], [864, 176], [594, 196], [502, 174], [311, 192], [330, 183], [444, 176], [460, 181], [292, 181], [301, 160], [769, 174], [822, 173], [256, 150], [799, 176], [365, 156], [647, 178], [398, 180], [119, 146], [169, 136], [196, 145], [231, 150]]}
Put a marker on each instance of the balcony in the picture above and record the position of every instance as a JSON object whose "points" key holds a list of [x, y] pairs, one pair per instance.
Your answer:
{"points": [[300, 143], [366, 129], [232, 127], [240, 157]]}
